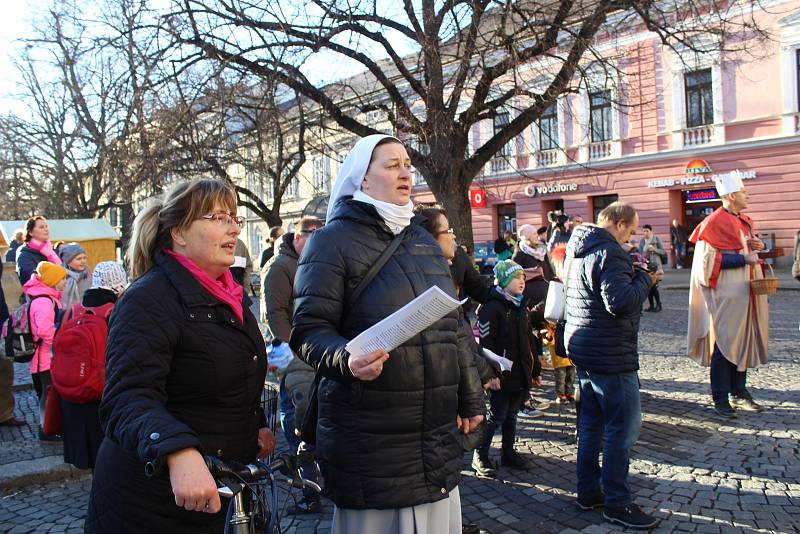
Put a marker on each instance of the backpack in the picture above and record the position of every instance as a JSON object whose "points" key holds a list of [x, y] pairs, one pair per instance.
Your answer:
{"points": [[78, 369], [17, 335]]}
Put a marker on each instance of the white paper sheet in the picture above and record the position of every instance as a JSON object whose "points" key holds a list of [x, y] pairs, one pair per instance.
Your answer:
{"points": [[504, 363], [239, 261], [405, 323]]}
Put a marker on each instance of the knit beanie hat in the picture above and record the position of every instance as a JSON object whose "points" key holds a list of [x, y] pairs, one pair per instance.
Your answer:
{"points": [[110, 275], [50, 274], [69, 251], [505, 271]]}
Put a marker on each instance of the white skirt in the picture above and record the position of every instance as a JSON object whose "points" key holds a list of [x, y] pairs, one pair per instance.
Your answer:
{"points": [[440, 517]]}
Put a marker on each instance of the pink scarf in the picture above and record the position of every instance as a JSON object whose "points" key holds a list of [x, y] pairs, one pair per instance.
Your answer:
{"points": [[224, 289], [45, 249]]}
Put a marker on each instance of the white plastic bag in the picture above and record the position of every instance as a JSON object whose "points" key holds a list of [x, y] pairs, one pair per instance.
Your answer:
{"points": [[554, 304]]}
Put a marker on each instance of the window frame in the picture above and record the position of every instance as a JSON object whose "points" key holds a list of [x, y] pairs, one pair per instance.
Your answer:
{"points": [[606, 111], [705, 92], [552, 120]]}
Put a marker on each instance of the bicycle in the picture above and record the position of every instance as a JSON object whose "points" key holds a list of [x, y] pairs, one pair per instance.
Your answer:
{"points": [[247, 486]]}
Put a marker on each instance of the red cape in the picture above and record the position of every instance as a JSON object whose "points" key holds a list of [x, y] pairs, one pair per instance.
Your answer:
{"points": [[722, 230]]}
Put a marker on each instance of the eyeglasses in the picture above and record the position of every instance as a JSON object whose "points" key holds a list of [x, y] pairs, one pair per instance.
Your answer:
{"points": [[448, 231], [308, 232], [224, 219]]}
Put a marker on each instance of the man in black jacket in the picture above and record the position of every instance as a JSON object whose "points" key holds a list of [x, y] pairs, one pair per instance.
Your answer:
{"points": [[603, 307]]}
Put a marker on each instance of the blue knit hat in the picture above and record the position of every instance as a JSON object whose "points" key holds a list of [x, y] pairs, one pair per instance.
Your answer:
{"points": [[505, 271]]}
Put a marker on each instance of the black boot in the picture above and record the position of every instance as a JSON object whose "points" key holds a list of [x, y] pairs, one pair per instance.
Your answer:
{"points": [[513, 460]]}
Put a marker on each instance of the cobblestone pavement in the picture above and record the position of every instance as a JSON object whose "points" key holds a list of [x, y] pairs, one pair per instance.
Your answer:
{"points": [[695, 471]]}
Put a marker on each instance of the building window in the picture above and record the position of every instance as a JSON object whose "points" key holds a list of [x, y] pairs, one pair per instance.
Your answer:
{"points": [[548, 128], [115, 217], [293, 188], [600, 116], [321, 174], [699, 98], [600, 203], [797, 68], [500, 161]]}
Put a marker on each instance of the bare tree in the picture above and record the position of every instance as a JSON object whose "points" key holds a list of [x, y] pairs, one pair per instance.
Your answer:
{"points": [[249, 132], [448, 66]]}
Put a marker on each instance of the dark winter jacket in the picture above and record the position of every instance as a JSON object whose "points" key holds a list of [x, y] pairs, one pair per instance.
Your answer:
{"points": [[277, 290], [391, 442], [27, 260], [181, 371], [677, 236], [3, 306], [604, 303], [505, 329], [466, 278]]}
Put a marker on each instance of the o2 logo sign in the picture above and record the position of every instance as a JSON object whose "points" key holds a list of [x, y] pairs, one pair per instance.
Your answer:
{"points": [[477, 198]]}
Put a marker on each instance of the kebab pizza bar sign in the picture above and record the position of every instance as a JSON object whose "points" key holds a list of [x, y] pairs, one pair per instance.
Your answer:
{"points": [[698, 171]]}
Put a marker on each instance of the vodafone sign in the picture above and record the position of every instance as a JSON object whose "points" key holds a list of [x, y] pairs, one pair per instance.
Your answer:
{"points": [[477, 198]]}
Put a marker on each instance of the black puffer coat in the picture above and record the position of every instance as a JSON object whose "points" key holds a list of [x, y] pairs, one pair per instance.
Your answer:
{"points": [[391, 442], [604, 303], [505, 329], [181, 371]]}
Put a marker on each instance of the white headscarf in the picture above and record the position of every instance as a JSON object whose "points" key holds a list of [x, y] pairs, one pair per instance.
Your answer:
{"points": [[351, 174]]}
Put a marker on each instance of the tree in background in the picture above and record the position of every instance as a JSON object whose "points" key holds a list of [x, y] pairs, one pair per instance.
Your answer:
{"points": [[449, 65]]}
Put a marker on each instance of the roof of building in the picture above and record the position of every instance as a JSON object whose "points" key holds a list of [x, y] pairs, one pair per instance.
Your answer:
{"points": [[65, 229]]}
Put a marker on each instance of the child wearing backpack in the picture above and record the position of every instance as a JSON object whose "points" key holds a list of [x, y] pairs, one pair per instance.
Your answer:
{"points": [[80, 421], [43, 290]]}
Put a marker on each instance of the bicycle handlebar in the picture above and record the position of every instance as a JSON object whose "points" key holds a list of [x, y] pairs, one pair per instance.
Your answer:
{"points": [[285, 464]]}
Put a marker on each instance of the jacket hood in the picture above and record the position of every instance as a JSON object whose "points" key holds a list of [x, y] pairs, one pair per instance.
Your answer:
{"points": [[286, 247], [587, 237], [35, 287]]}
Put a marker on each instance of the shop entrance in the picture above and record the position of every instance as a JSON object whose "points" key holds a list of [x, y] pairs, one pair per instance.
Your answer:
{"points": [[506, 218], [555, 204], [697, 205]]}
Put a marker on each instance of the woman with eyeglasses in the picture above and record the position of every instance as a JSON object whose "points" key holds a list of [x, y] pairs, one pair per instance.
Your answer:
{"points": [[184, 371], [389, 424]]}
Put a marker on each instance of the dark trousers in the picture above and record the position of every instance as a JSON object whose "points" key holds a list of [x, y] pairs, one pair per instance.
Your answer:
{"points": [[654, 296], [40, 383], [503, 408], [725, 379], [610, 412]]}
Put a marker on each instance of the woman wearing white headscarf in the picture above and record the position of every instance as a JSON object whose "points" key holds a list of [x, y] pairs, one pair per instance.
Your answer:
{"points": [[388, 424]]}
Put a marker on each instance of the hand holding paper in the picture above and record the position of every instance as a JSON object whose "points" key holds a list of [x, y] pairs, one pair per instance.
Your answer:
{"points": [[405, 323]]}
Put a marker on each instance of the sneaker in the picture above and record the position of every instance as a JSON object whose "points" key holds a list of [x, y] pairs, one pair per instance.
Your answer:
{"points": [[531, 413], [470, 528], [562, 399], [724, 409], [513, 460], [630, 516], [745, 403], [49, 437], [592, 502], [483, 466], [571, 399]]}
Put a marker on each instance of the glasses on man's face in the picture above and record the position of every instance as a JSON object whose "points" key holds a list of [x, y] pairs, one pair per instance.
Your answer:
{"points": [[308, 232], [224, 219], [449, 231]]}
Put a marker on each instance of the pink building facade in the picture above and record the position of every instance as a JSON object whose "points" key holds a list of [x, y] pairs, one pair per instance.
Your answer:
{"points": [[655, 134]]}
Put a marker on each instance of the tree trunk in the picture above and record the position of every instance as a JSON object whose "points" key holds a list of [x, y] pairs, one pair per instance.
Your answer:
{"points": [[452, 192]]}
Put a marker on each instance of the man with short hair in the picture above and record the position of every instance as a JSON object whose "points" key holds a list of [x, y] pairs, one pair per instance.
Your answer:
{"points": [[677, 237], [277, 303], [728, 324], [6, 372], [604, 299]]}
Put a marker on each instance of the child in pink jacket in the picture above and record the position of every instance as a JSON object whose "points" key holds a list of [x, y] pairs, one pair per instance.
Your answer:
{"points": [[43, 290]]}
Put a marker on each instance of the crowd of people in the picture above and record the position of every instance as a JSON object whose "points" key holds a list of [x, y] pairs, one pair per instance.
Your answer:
{"points": [[186, 360]]}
